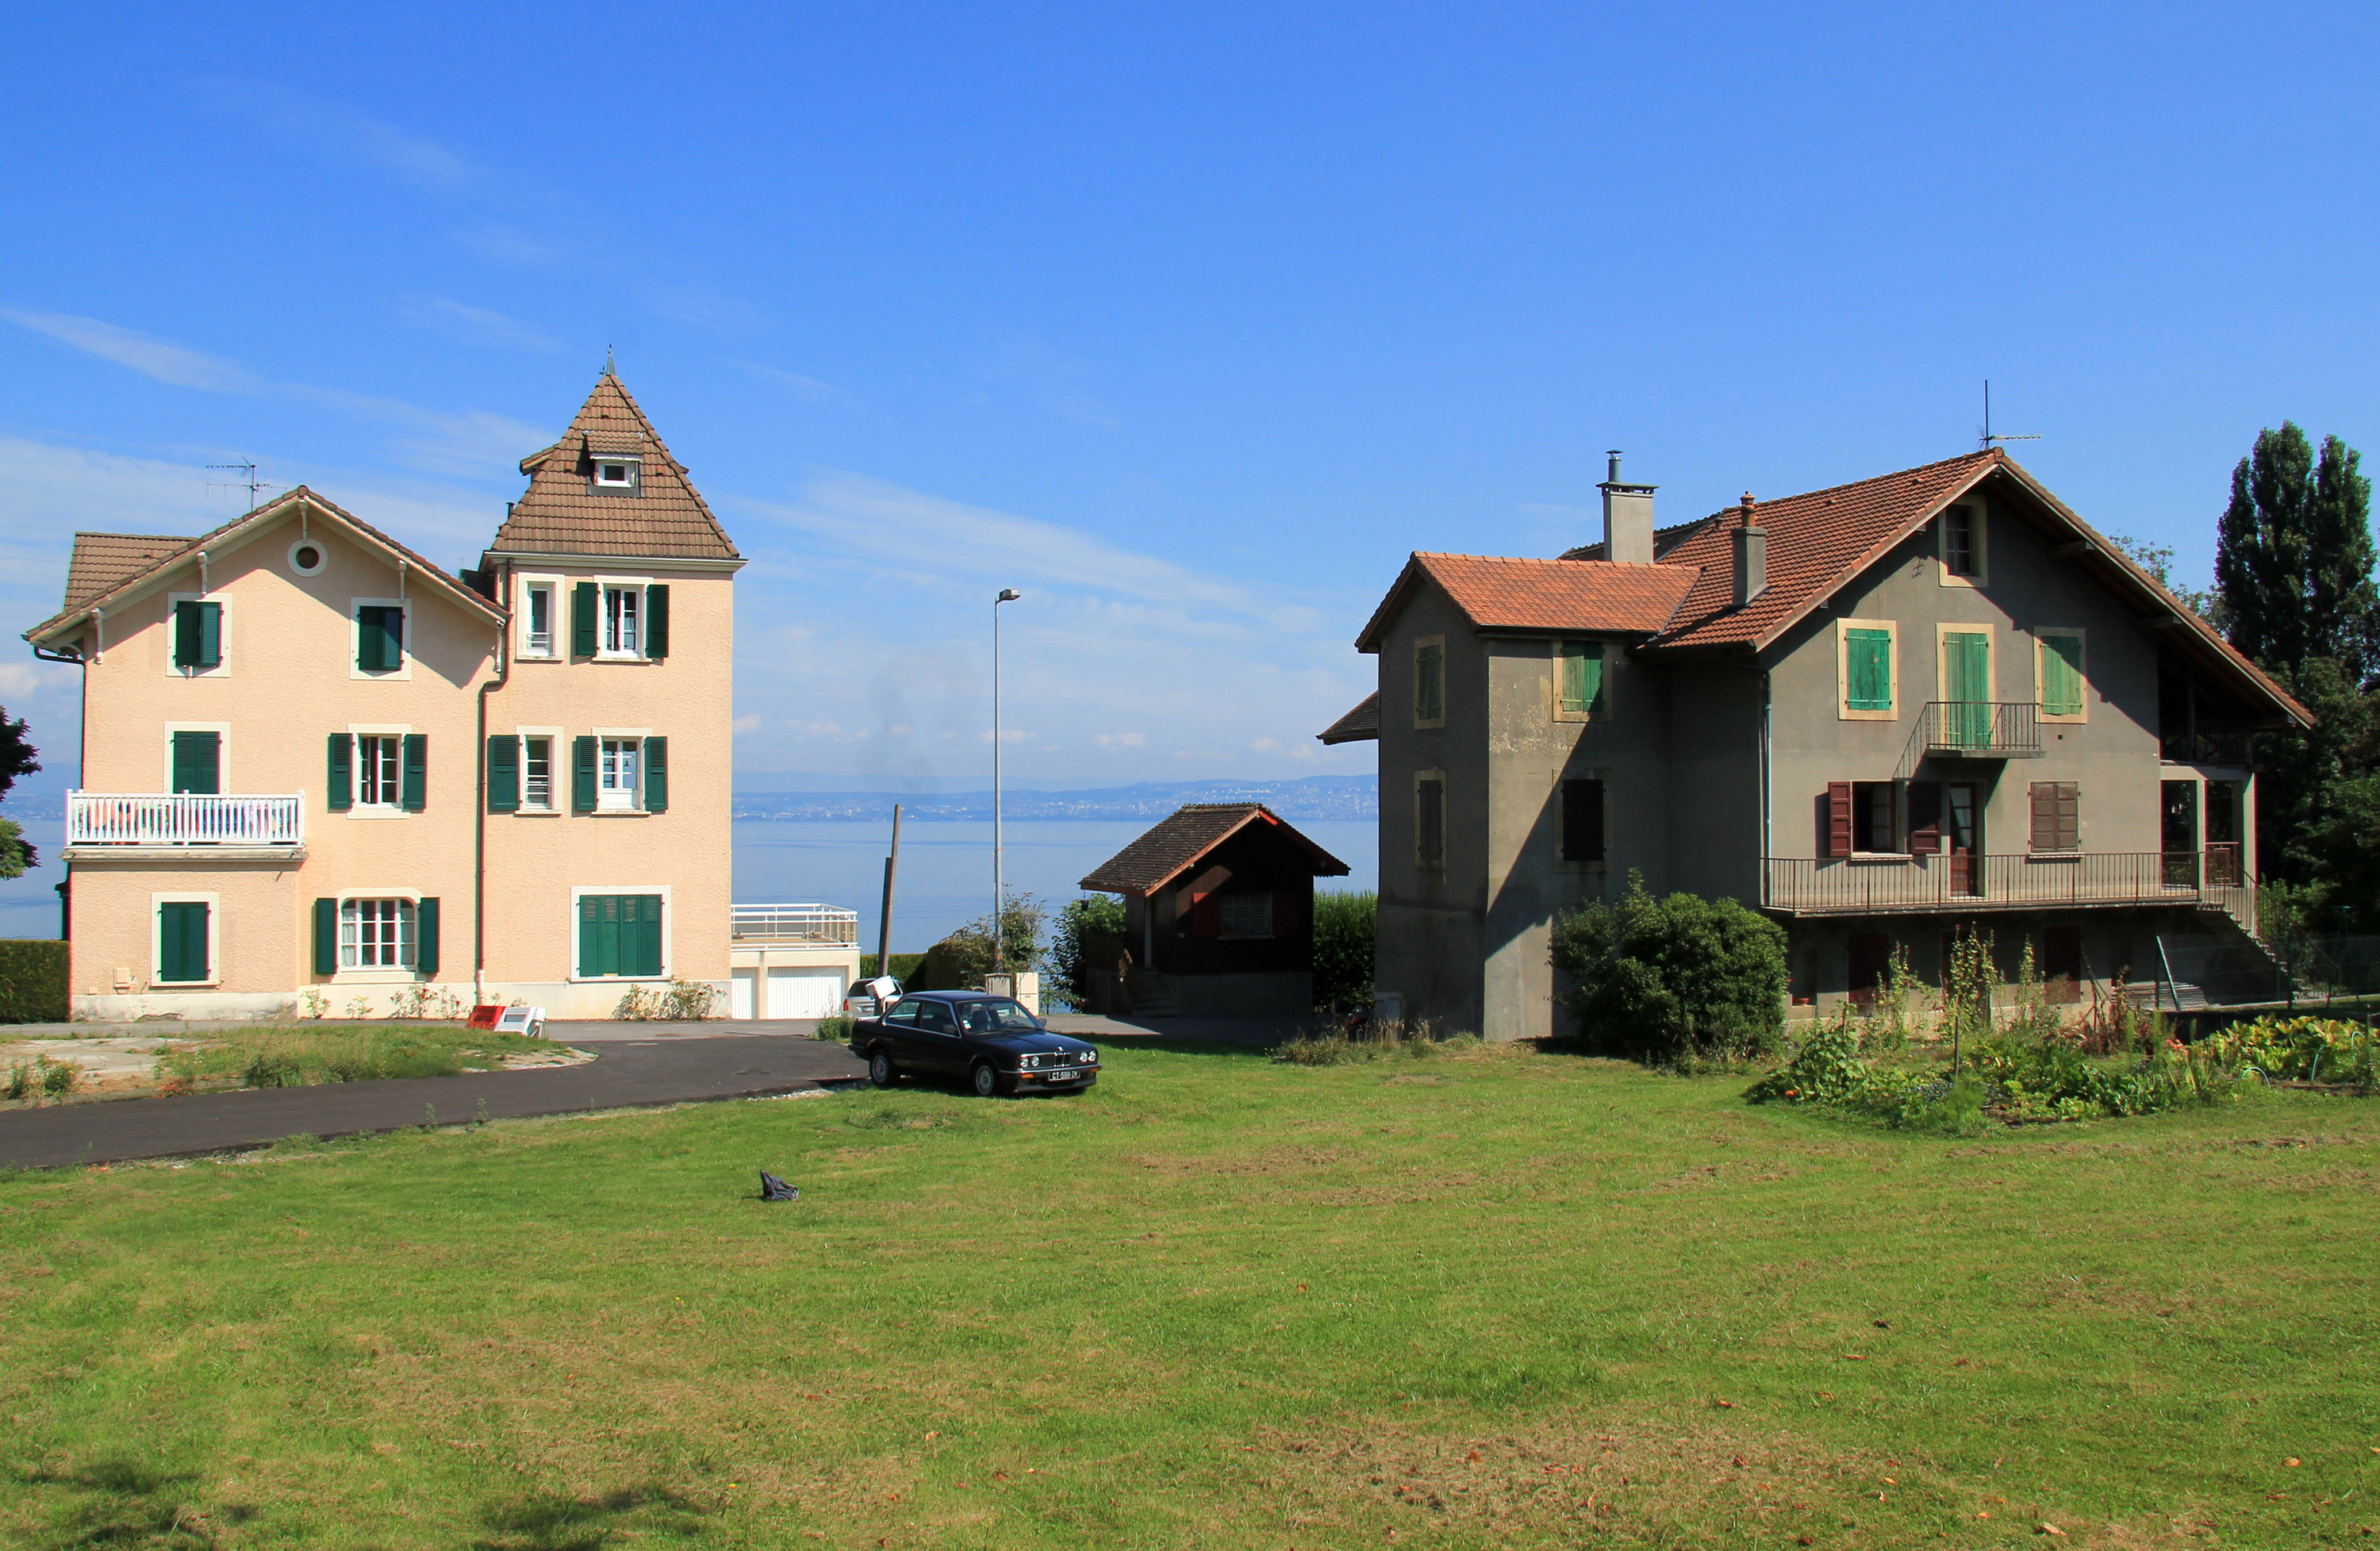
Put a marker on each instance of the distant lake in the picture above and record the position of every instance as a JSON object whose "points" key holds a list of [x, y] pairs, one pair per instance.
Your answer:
{"points": [[945, 869]]}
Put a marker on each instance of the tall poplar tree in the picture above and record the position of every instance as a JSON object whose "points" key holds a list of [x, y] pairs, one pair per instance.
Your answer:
{"points": [[2293, 555]]}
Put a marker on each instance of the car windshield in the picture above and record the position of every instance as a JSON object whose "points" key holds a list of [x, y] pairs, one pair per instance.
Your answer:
{"points": [[993, 1017]]}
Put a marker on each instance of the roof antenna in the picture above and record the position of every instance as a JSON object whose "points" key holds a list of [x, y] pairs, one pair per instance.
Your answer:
{"points": [[251, 484], [1987, 441]]}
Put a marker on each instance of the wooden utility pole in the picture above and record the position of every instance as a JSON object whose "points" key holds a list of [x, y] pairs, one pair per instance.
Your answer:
{"points": [[884, 929]]}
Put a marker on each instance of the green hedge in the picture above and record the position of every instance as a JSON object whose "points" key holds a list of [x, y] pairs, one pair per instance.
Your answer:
{"points": [[33, 980], [904, 966]]}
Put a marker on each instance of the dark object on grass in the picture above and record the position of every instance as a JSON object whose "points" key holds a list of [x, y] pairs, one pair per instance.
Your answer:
{"points": [[775, 1189]]}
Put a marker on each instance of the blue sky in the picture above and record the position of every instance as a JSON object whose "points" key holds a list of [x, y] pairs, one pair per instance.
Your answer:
{"points": [[1190, 322]]}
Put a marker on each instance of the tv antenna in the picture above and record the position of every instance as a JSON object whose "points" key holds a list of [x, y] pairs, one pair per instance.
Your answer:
{"points": [[251, 484], [1987, 441]]}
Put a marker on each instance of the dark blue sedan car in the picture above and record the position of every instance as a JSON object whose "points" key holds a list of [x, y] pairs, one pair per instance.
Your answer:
{"points": [[989, 1041]]}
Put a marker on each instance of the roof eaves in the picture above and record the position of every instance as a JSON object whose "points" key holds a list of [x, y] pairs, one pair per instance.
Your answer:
{"points": [[1877, 550]]}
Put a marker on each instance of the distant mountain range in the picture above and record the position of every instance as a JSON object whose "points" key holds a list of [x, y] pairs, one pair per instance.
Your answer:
{"points": [[1350, 797]]}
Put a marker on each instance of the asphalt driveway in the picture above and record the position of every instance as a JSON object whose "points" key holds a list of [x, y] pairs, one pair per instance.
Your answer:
{"points": [[625, 1073]]}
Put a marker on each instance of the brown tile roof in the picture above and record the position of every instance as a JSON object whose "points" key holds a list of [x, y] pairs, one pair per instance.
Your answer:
{"points": [[1518, 593], [111, 581], [1177, 842], [1357, 725], [561, 513], [1816, 542], [103, 562]]}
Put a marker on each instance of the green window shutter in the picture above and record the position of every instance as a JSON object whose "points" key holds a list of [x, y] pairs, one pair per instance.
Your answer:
{"points": [[585, 605], [416, 792], [2062, 675], [326, 936], [198, 762], [186, 634], [342, 778], [657, 622], [656, 775], [1429, 683], [590, 908], [425, 940], [582, 775], [642, 930], [503, 774], [210, 634], [367, 634], [1581, 678], [1869, 669], [182, 941]]}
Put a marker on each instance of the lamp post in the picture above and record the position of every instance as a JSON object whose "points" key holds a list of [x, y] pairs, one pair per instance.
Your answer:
{"points": [[999, 889]]}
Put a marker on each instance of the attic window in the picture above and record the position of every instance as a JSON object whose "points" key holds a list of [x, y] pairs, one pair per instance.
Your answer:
{"points": [[622, 474]]}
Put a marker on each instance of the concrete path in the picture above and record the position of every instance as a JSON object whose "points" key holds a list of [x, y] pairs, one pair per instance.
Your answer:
{"points": [[625, 1073]]}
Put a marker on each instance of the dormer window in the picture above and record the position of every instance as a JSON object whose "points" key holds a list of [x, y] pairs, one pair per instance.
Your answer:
{"points": [[621, 476]]}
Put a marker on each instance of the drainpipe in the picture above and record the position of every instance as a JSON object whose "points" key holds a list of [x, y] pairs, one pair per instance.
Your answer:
{"points": [[479, 786]]}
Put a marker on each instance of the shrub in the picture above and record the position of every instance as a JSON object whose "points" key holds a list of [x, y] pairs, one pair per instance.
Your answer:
{"points": [[835, 1027], [1673, 979], [59, 1078], [686, 1001], [2295, 1049], [33, 980], [960, 961], [1389, 1041], [904, 966], [1344, 934], [1089, 936]]}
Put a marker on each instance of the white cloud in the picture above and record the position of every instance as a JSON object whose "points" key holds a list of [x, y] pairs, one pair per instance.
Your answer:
{"points": [[1264, 745], [475, 325], [809, 389], [746, 723], [1122, 739], [162, 360], [330, 127]]}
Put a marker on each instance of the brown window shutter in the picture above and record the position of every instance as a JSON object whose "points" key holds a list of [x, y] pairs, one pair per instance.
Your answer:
{"points": [[2057, 815], [1839, 819], [1924, 817], [2070, 816], [2044, 816]]}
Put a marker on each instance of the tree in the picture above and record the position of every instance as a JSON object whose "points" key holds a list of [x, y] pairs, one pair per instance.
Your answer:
{"points": [[1072, 946], [2157, 561], [1344, 930], [2293, 554], [1674, 977], [17, 758]]}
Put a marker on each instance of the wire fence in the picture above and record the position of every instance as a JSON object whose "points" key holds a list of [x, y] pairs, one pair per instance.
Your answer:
{"points": [[2304, 972]]}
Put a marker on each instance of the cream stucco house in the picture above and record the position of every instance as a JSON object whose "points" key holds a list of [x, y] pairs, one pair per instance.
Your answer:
{"points": [[315, 762]]}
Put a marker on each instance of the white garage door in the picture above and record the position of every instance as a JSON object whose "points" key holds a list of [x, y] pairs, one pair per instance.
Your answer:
{"points": [[739, 995], [805, 993]]}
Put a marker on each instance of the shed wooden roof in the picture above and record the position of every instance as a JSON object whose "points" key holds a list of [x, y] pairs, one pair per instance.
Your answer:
{"points": [[1179, 841]]}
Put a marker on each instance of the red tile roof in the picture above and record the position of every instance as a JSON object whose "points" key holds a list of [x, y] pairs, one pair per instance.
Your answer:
{"points": [[1816, 542], [1497, 593], [103, 562], [563, 514], [1177, 842]]}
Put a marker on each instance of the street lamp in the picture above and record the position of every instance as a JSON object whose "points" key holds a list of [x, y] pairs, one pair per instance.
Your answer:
{"points": [[998, 891]]}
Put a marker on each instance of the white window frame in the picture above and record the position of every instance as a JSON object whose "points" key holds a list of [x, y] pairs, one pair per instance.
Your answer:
{"points": [[620, 734], [376, 974], [222, 670], [604, 588], [2041, 675], [1223, 916], [321, 550], [1942, 659], [357, 806], [1420, 723], [557, 590], [223, 751], [1843, 711], [557, 771], [404, 669], [1979, 517], [669, 929], [633, 485], [213, 902]]}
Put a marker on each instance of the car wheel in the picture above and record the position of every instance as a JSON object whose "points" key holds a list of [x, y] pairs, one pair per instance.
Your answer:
{"points": [[987, 1081], [880, 1070]]}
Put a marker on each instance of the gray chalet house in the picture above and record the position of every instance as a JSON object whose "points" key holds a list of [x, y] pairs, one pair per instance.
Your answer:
{"points": [[1932, 702]]}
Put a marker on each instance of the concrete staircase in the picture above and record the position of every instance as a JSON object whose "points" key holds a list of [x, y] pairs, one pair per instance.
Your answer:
{"points": [[1152, 994]]}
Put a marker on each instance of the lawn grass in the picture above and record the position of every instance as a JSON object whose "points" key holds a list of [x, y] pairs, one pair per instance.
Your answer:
{"points": [[1501, 1298]]}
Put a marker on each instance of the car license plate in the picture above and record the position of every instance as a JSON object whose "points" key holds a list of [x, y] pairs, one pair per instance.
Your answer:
{"points": [[1062, 1076]]}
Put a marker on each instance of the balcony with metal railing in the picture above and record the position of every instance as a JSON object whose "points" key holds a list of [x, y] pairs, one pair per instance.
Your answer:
{"points": [[811, 924], [137, 823], [1952, 884], [1980, 730]]}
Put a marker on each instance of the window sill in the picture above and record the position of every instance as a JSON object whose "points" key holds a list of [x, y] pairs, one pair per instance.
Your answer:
{"points": [[660, 979], [371, 977], [537, 813], [377, 812], [1882, 858], [623, 656], [177, 986], [619, 813], [2075, 855]]}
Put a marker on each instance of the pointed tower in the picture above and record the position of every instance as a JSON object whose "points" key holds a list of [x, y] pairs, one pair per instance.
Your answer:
{"points": [[607, 769]]}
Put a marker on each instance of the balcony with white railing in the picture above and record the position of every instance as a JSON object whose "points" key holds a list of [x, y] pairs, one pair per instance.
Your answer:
{"points": [[1940, 884], [100, 823], [799, 924]]}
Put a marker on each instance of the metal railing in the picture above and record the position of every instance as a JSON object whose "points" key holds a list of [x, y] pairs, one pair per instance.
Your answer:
{"points": [[2039, 880], [183, 818], [2207, 745], [824, 924], [1981, 729]]}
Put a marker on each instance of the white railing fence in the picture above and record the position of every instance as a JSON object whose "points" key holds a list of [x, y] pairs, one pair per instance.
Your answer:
{"points": [[183, 818], [794, 923]]}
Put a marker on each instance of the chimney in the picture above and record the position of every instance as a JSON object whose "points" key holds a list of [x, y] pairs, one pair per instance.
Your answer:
{"points": [[1751, 556], [1627, 519]]}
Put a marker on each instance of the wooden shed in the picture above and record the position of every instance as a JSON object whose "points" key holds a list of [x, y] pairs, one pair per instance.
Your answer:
{"points": [[1219, 907]]}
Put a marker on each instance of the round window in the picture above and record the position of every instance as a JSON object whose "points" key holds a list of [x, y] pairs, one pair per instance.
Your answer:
{"points": [[306, 557]]}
